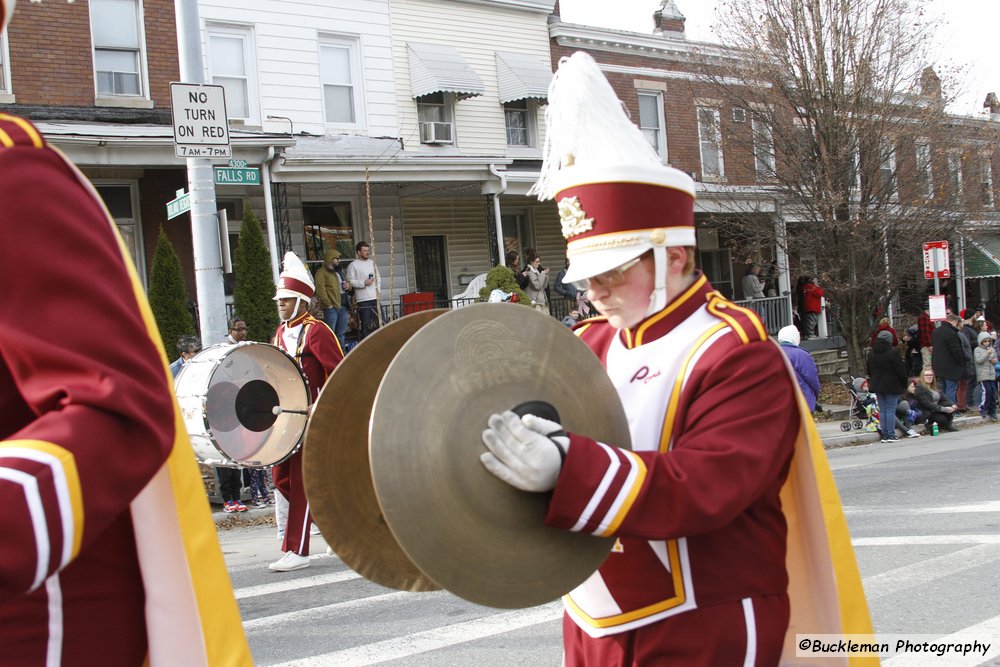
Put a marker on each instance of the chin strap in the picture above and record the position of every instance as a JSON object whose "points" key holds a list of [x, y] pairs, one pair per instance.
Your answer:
{"points": [[295, 312], [659, 297]]}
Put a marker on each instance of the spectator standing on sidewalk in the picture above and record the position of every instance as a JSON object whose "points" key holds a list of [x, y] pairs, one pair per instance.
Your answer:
{"points": [[969, 396], [986, 359], [887, 379], [802, 362], [948, 356], [331, 290]]}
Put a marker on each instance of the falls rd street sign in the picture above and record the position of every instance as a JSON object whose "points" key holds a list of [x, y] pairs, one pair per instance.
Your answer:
{"points": [[237, 176], [180, 205], [201, 127]]}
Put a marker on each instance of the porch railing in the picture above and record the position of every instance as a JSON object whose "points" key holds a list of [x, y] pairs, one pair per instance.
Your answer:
{"points": [[775, 311]]}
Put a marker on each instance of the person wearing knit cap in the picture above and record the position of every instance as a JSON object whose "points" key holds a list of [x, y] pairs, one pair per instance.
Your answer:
{"points": [[109, 553], [806, 372], [699, 508], [315, 349]]}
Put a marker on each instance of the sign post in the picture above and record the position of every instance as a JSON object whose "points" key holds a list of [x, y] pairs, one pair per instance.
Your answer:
{"points": [[936, 262]]}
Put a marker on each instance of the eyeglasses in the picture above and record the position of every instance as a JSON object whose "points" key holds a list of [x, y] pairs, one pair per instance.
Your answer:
{"points": [[608, 279], [240, 329]]}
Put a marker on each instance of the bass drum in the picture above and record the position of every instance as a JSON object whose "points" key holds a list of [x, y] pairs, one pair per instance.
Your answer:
{"points": [[227, 395]]}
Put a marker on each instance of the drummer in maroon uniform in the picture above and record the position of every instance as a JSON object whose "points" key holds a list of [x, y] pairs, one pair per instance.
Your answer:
{"points": [[317, 352]]}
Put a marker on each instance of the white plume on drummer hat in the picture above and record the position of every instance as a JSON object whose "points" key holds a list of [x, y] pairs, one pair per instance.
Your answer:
{"points": [[616, 198], [295, 280]]}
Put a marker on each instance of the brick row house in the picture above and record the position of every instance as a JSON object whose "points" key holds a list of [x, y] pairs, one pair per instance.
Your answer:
{"points": [[416, 125]]}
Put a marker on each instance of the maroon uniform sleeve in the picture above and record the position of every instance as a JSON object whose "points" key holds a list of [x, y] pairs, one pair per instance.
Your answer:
{"points": [[324, 346], [732, 444], [86, 417]]}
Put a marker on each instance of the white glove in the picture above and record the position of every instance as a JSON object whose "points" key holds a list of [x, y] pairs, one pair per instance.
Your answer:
{"points": [[526, 452]]}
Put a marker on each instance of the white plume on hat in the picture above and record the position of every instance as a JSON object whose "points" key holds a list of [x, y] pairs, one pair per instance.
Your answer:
{"points": [[587, 125], [295, 280]]}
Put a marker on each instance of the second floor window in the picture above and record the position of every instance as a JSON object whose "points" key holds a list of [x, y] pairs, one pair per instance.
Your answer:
{"points": [[339, 73], [887, 172], [955, 178], [763, 150], [710, 141], [651, 121], [117, 46], [987, 183], [231, 64], [515, 116], [434, 118], [925, 178]]}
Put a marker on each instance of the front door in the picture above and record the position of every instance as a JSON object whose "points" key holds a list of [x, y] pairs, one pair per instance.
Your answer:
{"points": [[429, 268]]}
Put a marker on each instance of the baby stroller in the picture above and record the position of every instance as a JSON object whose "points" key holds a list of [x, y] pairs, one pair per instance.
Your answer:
{"points": [[864, 409]]}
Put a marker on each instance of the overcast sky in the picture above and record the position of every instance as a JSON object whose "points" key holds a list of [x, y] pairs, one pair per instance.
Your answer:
{"points": [[969, 36]]}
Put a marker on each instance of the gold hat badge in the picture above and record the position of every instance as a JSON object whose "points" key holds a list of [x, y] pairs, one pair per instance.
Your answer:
{"points": [[574, 219]]}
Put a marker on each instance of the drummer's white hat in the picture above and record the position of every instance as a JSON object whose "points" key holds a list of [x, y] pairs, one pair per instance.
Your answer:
{"points": [[295, 280], [616, 198]]}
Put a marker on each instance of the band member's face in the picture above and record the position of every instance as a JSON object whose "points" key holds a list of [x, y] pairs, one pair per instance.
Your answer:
{"points": [[286, 307], [625, 305], [239, 333]]}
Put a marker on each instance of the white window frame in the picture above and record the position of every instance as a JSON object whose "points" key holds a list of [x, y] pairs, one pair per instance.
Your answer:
{"points": [[531, 123], [6, 91], [136, 221], [765, 164], [989, 200], [888, 164], [143, 65], [661, 128], [702, 140], [924, 170], [246, 35], [447, 116], [353, 46], [955, 178]]}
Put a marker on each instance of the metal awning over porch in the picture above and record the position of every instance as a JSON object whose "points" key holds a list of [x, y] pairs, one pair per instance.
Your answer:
{"points": [[522, 77], [982, 257], [440, 68]]}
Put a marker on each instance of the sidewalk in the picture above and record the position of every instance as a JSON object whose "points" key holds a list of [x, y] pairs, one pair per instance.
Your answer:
{"points": [[829, 431], [833, 437]]}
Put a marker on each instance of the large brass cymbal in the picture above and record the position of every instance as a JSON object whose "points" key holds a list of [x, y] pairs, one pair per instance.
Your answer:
{"points": [[335, 462], [472, 534]]}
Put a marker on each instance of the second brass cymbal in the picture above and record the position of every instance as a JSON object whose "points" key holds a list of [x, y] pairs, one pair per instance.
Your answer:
{"points": [[336, 464]]}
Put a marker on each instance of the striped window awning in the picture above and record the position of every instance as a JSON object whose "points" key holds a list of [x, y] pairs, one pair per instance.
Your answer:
{"points": [[438, 68], [522, 77], [982, 256]]}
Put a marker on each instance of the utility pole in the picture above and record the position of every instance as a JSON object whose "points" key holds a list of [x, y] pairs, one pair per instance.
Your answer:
{"points": [[201, 184]]}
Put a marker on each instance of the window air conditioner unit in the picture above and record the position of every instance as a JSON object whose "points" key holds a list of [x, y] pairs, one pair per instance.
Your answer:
{"points": [[739, 115], [435, 133]]}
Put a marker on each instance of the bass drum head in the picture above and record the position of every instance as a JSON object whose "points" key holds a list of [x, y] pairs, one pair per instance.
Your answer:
{"points": [[242, 384]]}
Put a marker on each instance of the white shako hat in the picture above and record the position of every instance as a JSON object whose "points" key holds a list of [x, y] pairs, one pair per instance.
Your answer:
{"points": [[616, 198], [295, 280]]}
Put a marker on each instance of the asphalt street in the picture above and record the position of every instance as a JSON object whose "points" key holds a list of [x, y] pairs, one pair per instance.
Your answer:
{"points": [[924, 516]]}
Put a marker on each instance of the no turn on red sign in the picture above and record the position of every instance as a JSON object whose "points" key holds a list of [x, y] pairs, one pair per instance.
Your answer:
{"points": [[201, 128], [936, 261]]}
